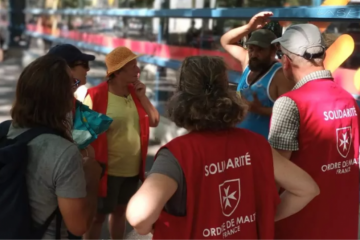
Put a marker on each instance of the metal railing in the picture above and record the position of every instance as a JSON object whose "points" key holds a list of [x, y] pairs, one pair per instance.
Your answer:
{"points": [[320, 14]]}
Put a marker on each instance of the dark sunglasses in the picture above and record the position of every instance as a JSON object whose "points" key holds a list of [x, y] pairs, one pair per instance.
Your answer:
{"points": [[83, 64], [76, 83], [280, 54]]}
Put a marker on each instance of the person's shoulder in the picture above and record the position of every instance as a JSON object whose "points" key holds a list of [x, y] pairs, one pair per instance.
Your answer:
{"points": [[249, 135], [279, 74], [54, 144], [280, 78]]}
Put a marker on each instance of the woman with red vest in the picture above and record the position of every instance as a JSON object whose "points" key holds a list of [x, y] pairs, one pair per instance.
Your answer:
{"points": [[217, 181], [124, 146]]}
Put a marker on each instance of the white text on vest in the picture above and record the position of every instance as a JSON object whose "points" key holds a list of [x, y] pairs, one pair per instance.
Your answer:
{"points": [[340, 167], [231, 226], [338, 114], [220, 167]]}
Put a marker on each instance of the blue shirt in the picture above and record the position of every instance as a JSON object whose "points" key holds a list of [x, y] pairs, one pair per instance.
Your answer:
{"points": [[253, 121]]}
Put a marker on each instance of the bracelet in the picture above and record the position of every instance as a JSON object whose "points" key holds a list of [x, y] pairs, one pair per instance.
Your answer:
{"points": [[87, 155]]}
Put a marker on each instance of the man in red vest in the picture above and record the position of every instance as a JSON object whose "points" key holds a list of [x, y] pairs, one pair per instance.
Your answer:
{"points": [[316, 125]]}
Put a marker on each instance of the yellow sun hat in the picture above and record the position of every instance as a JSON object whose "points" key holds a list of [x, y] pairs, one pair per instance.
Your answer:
{"points": [[118, 58]]}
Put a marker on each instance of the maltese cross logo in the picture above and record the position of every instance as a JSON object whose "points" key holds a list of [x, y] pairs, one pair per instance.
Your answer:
{"points": [[343, 141], [229, 196]]}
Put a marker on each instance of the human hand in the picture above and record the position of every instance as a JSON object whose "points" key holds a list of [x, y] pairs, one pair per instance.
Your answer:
{"points": [[259, 20], [254, 105], [88, 152], [140, 88], [92, 168]]}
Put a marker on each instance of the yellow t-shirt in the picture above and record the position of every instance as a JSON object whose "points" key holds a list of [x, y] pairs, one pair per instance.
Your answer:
{"points": [[123, 136]]}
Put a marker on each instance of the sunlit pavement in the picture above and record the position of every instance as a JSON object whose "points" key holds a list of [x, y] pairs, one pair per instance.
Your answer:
{"points": [[10, 70]]}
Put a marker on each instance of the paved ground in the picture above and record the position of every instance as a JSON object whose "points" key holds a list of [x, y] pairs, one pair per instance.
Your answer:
{"points": [[10, 70]]}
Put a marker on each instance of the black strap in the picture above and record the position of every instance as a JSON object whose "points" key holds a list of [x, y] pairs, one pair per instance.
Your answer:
{"points": [[58, 224], [310, 56], [41, 231], [33, 133], [28, 135], [4, 128]]}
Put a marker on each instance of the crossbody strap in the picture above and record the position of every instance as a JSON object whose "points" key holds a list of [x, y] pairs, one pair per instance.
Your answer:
{"points": [[4, 128]]}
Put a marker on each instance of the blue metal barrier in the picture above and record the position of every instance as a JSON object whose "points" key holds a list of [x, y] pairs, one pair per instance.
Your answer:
{"points": [[158, 61], [320, 13]]}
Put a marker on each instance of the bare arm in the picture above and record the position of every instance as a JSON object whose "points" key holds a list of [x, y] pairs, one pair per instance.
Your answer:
{"points": [[282, 84], [261, 110], [78, 213], [229, 42], [154, 116], [145, 206], [230, 39], [299, 187]]}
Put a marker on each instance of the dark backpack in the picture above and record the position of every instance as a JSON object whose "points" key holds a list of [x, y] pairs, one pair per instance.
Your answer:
{"points": [[15, 212]]}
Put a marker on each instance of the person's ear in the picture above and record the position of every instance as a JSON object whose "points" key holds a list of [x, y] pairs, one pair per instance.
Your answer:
{"points": [[285, 62]]}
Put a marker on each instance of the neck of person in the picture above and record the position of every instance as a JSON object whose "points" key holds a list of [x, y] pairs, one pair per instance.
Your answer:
{"points": [[303, 72], [266, 68], [118, 88]]}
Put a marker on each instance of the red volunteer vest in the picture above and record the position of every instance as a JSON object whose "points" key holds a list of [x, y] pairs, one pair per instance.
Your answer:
{"points": [[329, 152], [99, 96], [231, 191]]}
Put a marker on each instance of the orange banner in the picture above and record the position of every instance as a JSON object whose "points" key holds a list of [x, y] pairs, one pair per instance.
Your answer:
{"points": [[338, 52], [357, 80]]}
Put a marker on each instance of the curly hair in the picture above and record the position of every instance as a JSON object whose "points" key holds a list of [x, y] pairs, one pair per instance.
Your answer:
{"points": [[203, 99]]}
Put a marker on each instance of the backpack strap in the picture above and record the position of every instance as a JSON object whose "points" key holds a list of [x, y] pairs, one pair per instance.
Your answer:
{"points": [[58, 224], [4, 128], [32, 133], [28, 135], [25, 138], [45, 226]]}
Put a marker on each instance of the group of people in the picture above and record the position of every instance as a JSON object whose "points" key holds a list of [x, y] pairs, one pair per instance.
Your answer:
{"points": [[276, 159], [286, 169], [88, 184]]}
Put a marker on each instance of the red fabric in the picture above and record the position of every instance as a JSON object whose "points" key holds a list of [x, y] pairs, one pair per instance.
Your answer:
{"points": [[99, 97], [249, 183], [334, 213]]}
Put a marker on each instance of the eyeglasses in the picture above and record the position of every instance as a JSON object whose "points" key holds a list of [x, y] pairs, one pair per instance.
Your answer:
{"points": [[280, 54], [76, 83]]}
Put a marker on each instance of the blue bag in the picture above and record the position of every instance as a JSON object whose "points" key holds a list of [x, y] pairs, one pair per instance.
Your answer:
{"points": [[88, 124]]}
